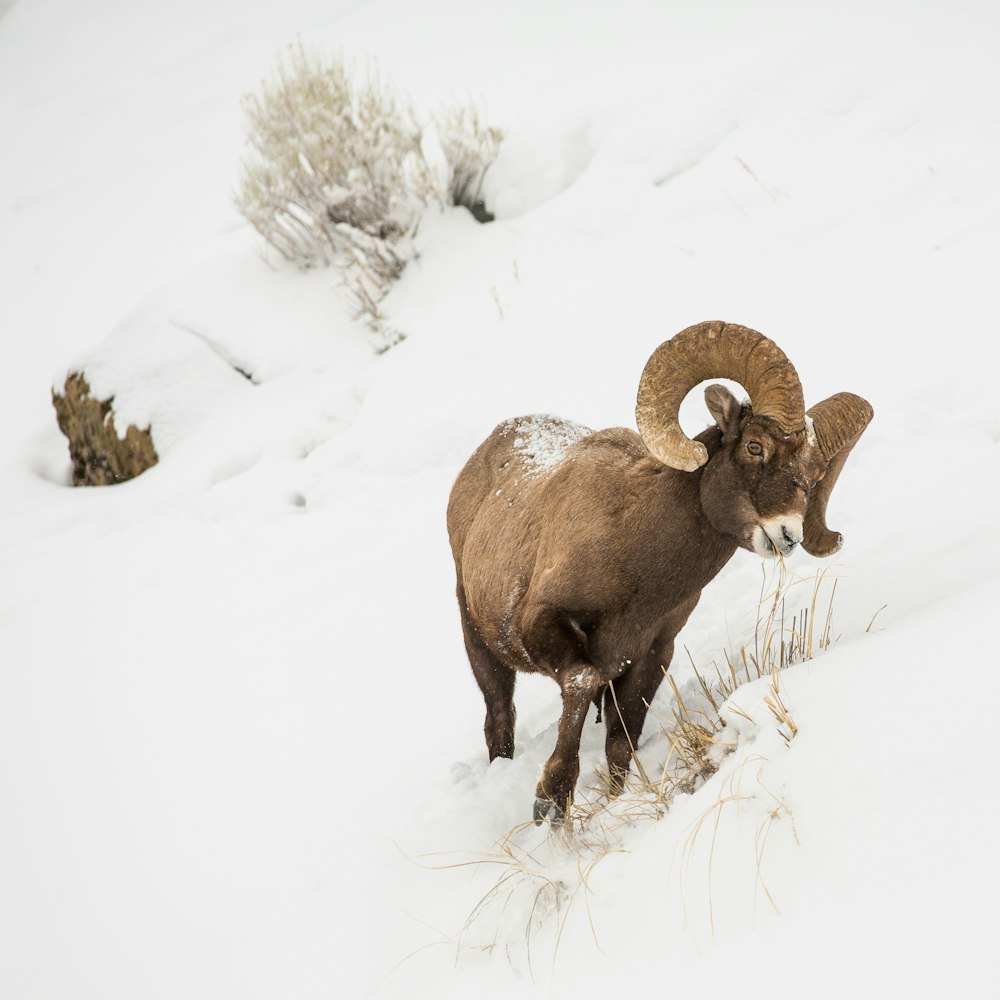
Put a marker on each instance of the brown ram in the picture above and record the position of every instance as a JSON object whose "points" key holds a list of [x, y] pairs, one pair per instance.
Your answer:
{"points": [[581, 554]]}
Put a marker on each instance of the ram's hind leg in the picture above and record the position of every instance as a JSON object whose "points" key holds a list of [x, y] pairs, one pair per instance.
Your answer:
{"points": [[496, 681]]}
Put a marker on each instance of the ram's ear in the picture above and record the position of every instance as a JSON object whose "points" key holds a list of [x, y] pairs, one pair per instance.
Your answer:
{"points": [[725, 409]]}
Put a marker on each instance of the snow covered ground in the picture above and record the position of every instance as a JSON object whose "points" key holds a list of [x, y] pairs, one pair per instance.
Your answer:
{"points": [[240, 745]]}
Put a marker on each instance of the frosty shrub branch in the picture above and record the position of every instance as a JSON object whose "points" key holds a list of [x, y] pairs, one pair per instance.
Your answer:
{"points": [[339, 169]]}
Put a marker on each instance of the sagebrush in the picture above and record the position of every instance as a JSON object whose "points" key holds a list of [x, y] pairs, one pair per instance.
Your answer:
{"points": [[339, 168]]}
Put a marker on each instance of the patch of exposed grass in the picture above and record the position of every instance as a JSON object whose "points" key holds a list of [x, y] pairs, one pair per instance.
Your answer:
{"points": [[794, 623]]}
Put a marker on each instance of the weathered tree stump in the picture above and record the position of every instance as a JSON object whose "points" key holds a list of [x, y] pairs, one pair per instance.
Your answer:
{"points": [[100, 457]]}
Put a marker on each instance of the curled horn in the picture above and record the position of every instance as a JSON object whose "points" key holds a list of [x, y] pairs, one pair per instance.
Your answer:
{"points": [[838, 422], [713, 350]]}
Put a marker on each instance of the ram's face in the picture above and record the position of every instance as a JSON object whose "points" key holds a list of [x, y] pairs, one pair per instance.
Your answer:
{"points": [[756, 487]]}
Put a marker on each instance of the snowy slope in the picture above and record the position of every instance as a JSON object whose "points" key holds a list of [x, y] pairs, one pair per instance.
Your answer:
{"points": [[240, 746]]}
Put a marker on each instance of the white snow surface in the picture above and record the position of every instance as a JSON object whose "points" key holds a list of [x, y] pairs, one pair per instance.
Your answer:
{"points": [[241, 749]]}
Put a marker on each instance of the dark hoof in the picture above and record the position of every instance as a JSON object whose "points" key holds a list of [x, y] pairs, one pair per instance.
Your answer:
{"points": [[546, 809]]}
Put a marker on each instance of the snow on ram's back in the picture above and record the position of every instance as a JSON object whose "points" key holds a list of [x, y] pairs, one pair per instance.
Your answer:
{"points": [[240, 745]]}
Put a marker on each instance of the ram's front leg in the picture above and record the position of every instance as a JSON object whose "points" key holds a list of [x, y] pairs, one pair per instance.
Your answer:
{"points": [[555, 787], [626, 703]]}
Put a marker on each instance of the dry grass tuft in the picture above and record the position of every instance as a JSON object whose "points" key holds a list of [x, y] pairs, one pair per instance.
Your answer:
{"points": [[786, 724], [541, 875]]}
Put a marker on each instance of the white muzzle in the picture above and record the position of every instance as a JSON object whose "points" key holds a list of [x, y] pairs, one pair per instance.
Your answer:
{"points": [[777, 536]]}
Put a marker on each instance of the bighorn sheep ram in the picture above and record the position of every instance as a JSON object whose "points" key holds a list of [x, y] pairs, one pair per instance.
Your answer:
{"points": [[581, 554]]}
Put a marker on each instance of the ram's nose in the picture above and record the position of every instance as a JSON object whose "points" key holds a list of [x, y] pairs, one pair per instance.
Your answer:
{"points": [[778, 535]]}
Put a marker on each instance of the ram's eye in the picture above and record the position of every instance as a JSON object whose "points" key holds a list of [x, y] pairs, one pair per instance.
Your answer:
{"points": [[755, 449]]}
